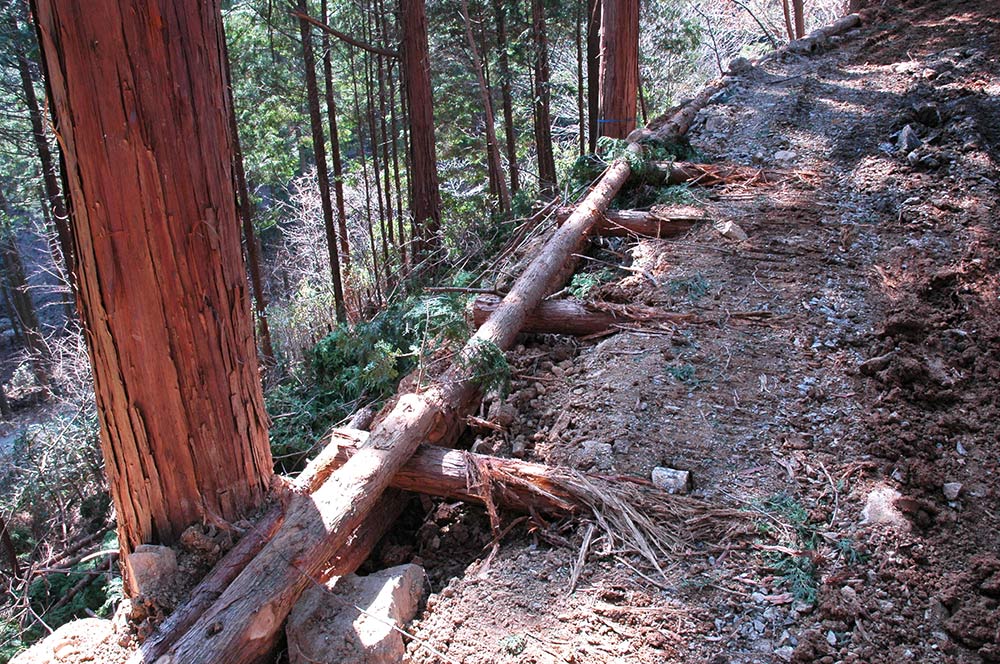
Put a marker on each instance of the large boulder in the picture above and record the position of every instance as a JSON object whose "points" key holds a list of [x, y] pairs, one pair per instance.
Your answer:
{"points": [[326, 627]]}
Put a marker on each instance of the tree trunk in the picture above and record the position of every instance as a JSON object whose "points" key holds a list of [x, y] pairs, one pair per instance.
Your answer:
{"points": [[245, 621], [492, 148], [657, 223], [510, 136], [619, 67], [547, 184], [798, 9], [319, 150], [161, 280], [338, 164], [250, 243], [49, 174], [593, 72], [425, 206]]}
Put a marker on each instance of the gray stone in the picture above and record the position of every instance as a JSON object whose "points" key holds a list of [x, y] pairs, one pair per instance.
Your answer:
{"points": [[951, 490], [671, 480], [150, 568], [738, 66], [325, 627], [785, 156], [908, 139]]}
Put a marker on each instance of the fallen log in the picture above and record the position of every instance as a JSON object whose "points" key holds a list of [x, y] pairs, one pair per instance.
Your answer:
{"points": [[816, 39], [553, 317], [630, 509], [660, 222], [245, 621], [252, 542], [446, 473], [707, 175]]}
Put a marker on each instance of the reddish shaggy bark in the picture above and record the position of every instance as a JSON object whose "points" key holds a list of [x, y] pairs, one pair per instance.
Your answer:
{"points": [[425, 204], [619, 67], [161, 280]]}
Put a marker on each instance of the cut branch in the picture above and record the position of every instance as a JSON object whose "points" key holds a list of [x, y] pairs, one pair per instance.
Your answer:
{"points": [[344, 37]]}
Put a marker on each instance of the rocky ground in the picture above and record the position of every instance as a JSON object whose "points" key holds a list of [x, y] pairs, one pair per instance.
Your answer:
{"points": [[837, 392]]}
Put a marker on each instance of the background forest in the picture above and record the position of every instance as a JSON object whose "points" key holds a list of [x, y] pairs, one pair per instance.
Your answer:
{"points": [[321, 367]]}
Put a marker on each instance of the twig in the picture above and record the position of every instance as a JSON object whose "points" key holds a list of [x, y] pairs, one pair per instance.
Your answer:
{"points": [[581, 558]]}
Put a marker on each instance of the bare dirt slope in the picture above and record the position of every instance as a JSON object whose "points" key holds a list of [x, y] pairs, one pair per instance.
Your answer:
{"points": [[838, 392]]}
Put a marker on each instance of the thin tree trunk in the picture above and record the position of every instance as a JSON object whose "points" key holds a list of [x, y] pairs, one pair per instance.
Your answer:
{"points": [[619, 67], [397, 180], [22, 306], [788, 19], [507, 100], [49, 174], [492, 148], [376, 174], [245, 211], [581, 113], [358, 122], [798, 9], [543, 124], [5, 541], [384, 134], [161, 280], [426, 204], [57, 256], [593, 72], [338, 164], [319, 150]]}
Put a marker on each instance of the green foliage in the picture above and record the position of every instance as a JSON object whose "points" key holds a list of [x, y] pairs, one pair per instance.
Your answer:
{"points": [[100, 596], [584, 282], [693, 287], [679, 194], [359, 364], [684, 373], [798, 575], [488, 366]]}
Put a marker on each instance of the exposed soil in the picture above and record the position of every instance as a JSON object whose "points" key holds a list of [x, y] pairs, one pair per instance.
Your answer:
{"points": [[838, 393]]}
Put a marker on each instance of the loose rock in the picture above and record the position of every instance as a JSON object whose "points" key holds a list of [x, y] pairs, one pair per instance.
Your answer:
{"points": [[325, 627]]}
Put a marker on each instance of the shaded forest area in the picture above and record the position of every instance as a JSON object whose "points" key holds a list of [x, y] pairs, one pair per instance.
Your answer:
{"points": [[395, 169]]}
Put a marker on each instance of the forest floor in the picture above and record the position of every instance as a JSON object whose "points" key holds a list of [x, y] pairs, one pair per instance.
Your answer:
{"points": [[850, 425]]}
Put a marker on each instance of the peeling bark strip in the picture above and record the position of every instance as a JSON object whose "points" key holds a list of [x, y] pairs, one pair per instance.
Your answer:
{"points": [[139, 94]]}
